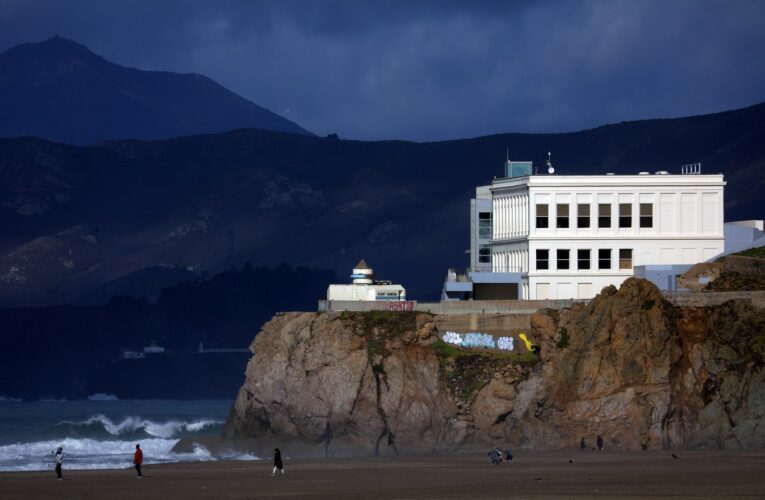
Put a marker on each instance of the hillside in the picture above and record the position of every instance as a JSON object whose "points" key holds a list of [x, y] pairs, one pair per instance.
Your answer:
{"points": [[60, 90], [75, 218]]}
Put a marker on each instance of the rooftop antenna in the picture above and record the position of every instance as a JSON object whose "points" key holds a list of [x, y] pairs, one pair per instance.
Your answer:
{"points": [[550, 169]]}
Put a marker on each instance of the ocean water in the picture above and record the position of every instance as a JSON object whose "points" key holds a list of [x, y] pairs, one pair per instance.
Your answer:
{"points": [[101, 432]]}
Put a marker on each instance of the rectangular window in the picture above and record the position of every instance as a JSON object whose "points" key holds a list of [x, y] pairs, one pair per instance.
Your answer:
{"points": [[604, 258], [542, 216], [484, 225], [604, 215], [625, 258], [625, 215], [583, 215], [543, 259], [646, 215], [563, 259], [583, 259], [561, 219], [484, 254]]}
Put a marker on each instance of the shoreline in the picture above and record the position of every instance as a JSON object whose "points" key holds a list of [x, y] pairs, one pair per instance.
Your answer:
{"points": [[632, 474]]}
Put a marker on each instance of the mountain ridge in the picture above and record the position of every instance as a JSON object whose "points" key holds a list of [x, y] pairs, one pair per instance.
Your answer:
{"points": [[60, 90], [78, 217]]}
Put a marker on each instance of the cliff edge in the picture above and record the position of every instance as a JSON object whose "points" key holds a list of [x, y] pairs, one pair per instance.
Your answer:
{"points": [[628, 366]]}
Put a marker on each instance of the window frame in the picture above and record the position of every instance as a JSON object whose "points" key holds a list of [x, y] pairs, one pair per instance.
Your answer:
{"points": [[545, 217], [539, 259], [559, 259], [602, 259], [490, 220], [562, 221], [484, 255], [646, 221], [580, 217], [604, 218], [623, 267], [625, 221], [579, 259]]}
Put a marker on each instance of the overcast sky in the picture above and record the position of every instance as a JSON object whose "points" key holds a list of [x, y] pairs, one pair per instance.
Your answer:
{"points": [[430, 70]]}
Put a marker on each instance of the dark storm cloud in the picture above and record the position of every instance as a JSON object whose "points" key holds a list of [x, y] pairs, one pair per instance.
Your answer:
{"points": [[428, 70]]}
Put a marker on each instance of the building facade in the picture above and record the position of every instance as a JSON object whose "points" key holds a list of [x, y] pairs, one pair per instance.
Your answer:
{"points": [[365, 288], [569, 236]]}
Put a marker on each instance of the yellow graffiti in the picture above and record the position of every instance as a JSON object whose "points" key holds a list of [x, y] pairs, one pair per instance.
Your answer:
{"points": [[529, 344]]}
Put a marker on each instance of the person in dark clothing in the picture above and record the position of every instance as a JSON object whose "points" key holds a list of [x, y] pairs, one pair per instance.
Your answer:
{"points": [[600, 443], [278, 465], [508, 455], [58, 455], [582, 445], [138, 459]]}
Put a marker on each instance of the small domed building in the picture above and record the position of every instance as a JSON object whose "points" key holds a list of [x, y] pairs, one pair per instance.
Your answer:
{"points": [[365, 288]]}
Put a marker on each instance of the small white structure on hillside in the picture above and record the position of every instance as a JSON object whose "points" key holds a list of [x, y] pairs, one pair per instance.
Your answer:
{"points": [[365, 287]]}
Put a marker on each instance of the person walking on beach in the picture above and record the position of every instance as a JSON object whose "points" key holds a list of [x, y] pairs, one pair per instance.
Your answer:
{"points": [[277, 461], [58, 455], [600, 443], [138, 459]]}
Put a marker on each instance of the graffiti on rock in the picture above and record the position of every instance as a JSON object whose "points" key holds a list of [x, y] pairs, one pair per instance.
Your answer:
{"points": [[477, 339]]}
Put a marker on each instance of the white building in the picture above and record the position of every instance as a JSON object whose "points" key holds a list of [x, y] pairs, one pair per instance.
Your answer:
{"points": [[365, 287], [568, 236]]}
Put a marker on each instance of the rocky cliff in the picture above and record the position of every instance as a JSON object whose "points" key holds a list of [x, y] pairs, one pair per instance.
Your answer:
{"points": [[628, 366]]}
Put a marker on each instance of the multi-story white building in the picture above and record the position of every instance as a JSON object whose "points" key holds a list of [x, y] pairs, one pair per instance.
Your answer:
{"points": [[568, 236]]}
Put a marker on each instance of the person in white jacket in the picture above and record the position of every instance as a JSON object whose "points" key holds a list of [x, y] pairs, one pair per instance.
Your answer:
{"points": [[58, 455]]}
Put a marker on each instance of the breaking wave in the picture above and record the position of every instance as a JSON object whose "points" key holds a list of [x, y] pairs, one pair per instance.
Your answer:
{"points": [[135, 427], [94, 454]]}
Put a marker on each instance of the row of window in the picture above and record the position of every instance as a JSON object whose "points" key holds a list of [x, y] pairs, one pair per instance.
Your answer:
{"points": [[604, 215], [583, 259]]}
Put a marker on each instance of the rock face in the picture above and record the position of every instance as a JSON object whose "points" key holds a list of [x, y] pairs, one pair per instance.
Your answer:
{"points": [[628, 366]]}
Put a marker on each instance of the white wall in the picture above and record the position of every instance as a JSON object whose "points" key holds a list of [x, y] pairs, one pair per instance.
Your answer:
{"points": [[687, 227]]}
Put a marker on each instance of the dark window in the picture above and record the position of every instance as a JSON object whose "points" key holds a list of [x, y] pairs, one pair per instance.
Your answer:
{"points": [[561, 219], [543, 217], [583, 215], [543, 259], [563, 259], [484, 225], [625, 258], [604, 215], [604, 258], [583, 259], [625, 215], [646, 215], [484, 253]]}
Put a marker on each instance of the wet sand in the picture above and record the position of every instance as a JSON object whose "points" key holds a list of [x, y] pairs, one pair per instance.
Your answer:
{"points": [[715, 474]]}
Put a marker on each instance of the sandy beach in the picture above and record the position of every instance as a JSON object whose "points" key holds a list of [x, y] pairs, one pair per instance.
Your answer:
{"points": [[699, 474]]}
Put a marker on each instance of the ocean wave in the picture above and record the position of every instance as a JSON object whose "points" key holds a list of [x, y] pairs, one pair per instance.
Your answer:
{"points": [[137, 426], [100, 396], [95, 454], [4, 399]]}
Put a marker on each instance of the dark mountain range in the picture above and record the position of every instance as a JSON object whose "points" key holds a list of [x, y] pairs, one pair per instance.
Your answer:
{"points": [[74, 218], [59, 90]]}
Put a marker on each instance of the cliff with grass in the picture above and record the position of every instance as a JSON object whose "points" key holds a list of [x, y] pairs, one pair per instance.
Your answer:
{"points": [[628, 366]]}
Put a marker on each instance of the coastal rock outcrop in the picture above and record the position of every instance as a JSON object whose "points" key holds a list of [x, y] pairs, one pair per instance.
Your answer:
{"points": [[628, 366]]}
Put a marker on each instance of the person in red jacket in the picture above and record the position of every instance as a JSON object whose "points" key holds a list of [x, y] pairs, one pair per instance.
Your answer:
{"points": [[138, 459]]}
